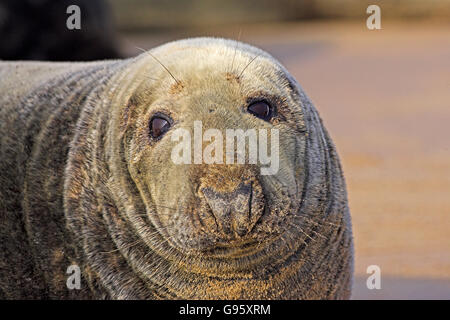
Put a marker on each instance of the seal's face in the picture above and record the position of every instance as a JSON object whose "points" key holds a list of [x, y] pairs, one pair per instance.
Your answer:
{"points": [[187, 165]]}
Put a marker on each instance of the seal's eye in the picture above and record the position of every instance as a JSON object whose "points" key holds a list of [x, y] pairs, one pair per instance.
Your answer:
{"points": [[261, 110], [158, 126]]}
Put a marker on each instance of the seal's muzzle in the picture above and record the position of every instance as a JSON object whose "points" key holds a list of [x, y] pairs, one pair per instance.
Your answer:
{"points": [[235, 211]]}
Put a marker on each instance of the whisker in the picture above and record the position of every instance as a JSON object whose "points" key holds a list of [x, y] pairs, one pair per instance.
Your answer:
{"points": [[166, 207], [302, 231], [248, 65], [157, 60], [291, 234], [134, 243], [316, 222], [235, 50]]}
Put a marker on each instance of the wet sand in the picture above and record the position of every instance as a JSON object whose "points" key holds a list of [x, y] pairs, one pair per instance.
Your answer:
{"points": [[385, 98]]}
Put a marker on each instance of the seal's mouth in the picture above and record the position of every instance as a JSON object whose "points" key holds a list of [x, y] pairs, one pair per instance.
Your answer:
{"points": [[237, 248], [234, 248]]}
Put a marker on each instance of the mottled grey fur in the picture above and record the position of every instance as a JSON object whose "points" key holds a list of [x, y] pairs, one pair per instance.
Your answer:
{"points": [[71, 189]]}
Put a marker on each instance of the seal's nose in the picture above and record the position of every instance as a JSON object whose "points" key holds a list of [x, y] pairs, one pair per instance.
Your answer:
{"points": [[236, 211]]}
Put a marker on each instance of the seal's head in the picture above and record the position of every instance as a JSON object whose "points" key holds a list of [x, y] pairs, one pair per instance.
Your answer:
{"points": [[214, 141], [215, 179]]}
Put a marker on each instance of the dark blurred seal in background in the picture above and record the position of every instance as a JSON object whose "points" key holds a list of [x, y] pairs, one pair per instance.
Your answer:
{"points": [[37, 30]]}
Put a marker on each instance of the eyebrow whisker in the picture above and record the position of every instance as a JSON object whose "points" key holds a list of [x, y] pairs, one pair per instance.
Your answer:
{"points": [[235, 50], [248, 65], [157, 60]]}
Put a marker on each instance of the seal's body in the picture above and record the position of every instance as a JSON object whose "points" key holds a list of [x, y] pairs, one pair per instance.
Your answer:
{"points": [[87, 179]]}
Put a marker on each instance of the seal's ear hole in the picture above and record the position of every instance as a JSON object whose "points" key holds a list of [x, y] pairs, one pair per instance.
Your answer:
{"points": [[158, 126], [261, 109]]}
